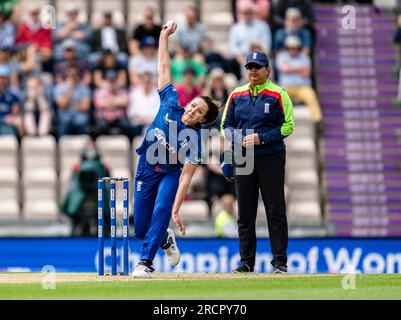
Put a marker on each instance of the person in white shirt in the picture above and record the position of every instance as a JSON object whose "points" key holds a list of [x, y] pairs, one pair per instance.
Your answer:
{"points": [[144, 103], [192, 33], [243, 33], [109, 37], [294, 75], [146, 61]]}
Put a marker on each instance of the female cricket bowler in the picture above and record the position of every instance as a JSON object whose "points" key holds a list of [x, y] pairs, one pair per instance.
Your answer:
{"points": [[162, 184]]}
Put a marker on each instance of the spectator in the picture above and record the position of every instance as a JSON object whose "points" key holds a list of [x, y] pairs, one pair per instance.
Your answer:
{"points": [[7, 32], [37, 113], [108, 62], [225, 224], [243, 33], [182, 60], [187, 90], [212, 58], [109, 37], [216, 87], [144, 103], [262, 9], [217, 90], [10, 118], [73, 102], [304, 6], [80, 203], [294, 74], [70, 59], [33, 33], [111, 102], [231, 81], [147, 29], [26, 64], [191, 34], [145, 61], [72, 29], [293, 25]]}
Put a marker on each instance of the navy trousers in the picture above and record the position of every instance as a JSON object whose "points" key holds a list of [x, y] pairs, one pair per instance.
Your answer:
{"points": [[154, 196]]}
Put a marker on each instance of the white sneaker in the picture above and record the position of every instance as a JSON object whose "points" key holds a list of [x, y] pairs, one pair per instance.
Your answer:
{"points": [[142, 270], [170, 249]]}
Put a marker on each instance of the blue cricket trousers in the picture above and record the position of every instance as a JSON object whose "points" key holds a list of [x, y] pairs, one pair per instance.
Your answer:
{"points": [[154, 197]]}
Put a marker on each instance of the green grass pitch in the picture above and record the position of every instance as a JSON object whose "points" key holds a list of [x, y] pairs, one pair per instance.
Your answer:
{"points": [[199, 286]]}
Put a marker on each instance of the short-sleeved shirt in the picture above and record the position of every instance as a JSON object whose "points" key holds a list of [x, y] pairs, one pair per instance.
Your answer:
{"points": [[191, 37], [7, 101], [140, 65], [303, 34], [80, 92], [141, 32], [292, 79], [177, 146]]}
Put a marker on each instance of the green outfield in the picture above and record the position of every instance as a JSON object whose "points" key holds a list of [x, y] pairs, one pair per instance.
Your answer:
{"points": [[199, 286]]}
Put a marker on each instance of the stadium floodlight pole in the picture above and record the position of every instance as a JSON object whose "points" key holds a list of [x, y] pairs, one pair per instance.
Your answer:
{"points": [[100, 225], [126, 226], [113, 219]]}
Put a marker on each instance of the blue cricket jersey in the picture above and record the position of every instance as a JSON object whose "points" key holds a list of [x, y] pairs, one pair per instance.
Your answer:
{"points": [[167, 145]]}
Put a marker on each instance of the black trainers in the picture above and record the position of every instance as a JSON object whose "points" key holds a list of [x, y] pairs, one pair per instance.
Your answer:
{"points": [[280, 269], [244, 267]]}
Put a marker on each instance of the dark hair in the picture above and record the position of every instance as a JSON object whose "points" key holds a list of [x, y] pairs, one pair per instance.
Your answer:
{"points": [[213, 109]]}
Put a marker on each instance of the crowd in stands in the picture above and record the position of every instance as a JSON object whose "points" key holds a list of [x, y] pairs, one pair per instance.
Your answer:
{"points": [[75, 79], [79, 80]]}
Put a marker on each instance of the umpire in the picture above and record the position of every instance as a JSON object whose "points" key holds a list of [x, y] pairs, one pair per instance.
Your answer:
{"points": [[266, 108]]}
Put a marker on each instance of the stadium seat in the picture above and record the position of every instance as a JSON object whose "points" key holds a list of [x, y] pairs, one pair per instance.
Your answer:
{"points": [[261, 214], [301, 195], [194, 211], [303, 179], [115, 6], [217, 17], [135, 12], [116, 153], [39, 178], [301, 163], [8, 152], [9, 195], [38, 152], [301, 147], [69, 149], [302, 170], [175, 9], [9, 178], [40, 203], [304, 213], [24, 5], [302, 115]]}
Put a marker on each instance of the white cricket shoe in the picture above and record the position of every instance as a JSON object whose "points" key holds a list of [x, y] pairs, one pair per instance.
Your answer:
{"points": [[170, 249], [142, 270]]}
